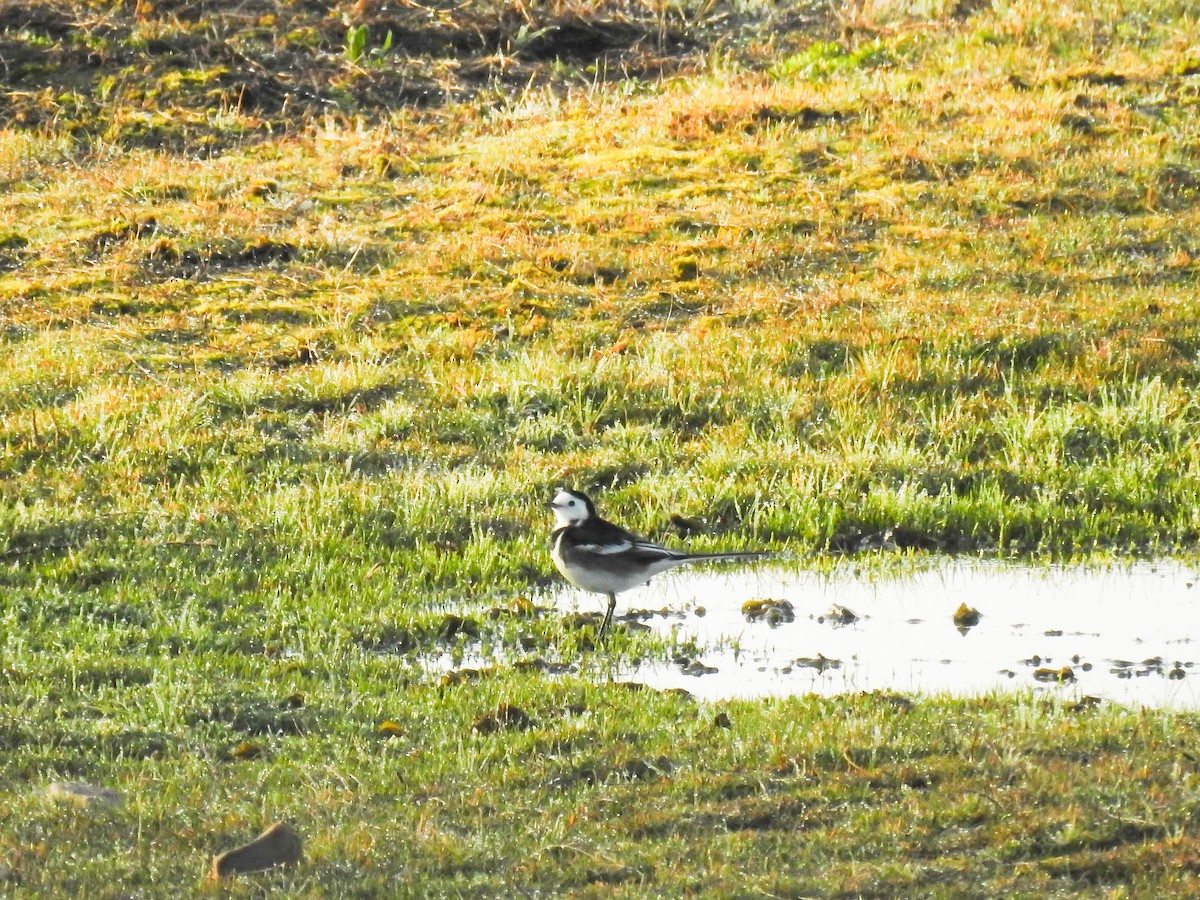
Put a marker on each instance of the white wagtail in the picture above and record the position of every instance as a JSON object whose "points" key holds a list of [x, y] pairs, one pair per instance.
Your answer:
{"points": [[596, 555]]}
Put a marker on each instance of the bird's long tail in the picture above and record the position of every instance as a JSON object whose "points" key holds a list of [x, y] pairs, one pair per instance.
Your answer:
{"points": [[700, 557]]}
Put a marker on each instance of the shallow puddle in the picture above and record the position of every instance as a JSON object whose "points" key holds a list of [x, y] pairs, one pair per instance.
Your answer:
{"points": [[1129, 633]]}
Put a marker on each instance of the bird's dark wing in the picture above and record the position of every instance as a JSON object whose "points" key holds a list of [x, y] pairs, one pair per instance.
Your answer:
{"points": [[598, 535], [647, 553]]}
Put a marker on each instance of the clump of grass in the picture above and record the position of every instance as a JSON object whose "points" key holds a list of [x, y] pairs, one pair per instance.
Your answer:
{"points": [[822, 59]]}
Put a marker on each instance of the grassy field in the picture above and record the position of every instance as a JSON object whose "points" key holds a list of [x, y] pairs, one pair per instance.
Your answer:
{"points": [[305, 311]]}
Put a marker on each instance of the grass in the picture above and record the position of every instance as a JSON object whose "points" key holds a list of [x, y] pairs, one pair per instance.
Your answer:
{"points": [[288, 372]]}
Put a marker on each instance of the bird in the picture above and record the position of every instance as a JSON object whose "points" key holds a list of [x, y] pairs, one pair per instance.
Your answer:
{"points": [[595, 555]]}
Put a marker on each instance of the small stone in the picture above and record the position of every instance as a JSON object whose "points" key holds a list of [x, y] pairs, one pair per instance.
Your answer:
{"points": [[838, 615], [84, 794], [695, 668], [773, 612], [1065, 675], [966, 616], [279, 845], [820, 662]]}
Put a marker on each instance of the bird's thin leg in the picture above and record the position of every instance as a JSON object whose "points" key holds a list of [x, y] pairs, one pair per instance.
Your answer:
{"points": [[612, 604]]}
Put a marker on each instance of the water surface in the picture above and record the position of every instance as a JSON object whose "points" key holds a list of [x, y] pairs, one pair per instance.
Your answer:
{"points": [[1127, 632]]}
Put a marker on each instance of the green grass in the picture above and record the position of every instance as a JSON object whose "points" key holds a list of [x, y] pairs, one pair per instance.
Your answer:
{"points": [[284, 386]]}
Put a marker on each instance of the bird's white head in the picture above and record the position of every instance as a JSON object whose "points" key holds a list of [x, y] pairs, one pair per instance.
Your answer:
{"points": [[571, 508]]}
